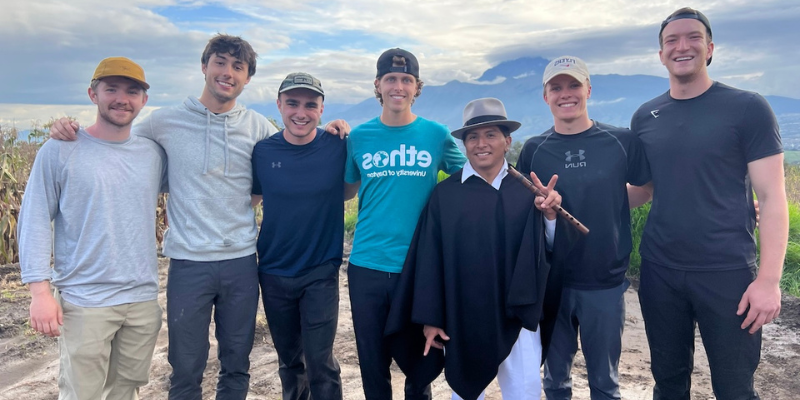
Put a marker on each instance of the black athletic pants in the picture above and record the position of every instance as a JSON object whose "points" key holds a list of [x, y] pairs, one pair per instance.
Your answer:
{"points": [[371, 293], [673, 301], [302, 313]]}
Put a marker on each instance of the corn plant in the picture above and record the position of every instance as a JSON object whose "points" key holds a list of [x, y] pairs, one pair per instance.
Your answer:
{"points": [[16, 159]]}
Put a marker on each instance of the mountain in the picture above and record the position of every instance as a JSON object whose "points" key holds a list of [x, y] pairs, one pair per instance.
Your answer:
{"points": [[518, 84]]}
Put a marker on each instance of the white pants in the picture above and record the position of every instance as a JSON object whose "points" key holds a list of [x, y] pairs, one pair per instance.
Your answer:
{"points": [[518, 375]]}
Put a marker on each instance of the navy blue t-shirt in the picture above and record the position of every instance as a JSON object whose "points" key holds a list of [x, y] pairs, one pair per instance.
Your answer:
{"points": [[303, 189], [593, 168]]}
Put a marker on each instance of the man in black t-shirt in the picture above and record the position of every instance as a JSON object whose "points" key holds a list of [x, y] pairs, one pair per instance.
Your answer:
{"points": [[594, 161], [709, 146]]}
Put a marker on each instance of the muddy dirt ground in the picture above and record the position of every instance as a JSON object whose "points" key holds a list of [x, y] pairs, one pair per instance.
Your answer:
{"points": [[29, 362]]}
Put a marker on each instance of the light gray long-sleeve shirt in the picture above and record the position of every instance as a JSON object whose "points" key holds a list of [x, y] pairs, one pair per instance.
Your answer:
{"points": [[210, 178], [101, 197]]}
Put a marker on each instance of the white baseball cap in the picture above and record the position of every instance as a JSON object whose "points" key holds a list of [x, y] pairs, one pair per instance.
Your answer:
{"points": [[568, 65]]}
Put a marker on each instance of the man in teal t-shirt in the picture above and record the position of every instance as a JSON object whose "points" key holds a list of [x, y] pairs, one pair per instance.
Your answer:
{"points": [[396, 158]]}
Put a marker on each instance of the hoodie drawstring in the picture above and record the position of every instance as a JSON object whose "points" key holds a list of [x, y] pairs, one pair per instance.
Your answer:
{"points": [[208, 142], [226, 144]]}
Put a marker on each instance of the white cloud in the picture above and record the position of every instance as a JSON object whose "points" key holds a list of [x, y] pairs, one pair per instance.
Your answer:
{"points": [[595, 103], [57, 43]]}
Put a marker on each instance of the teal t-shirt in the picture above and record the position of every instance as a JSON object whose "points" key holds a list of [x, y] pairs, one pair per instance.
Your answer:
{"points": [[398, 168]]}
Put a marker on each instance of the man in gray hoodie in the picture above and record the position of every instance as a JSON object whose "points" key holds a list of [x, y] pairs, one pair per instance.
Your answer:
{"points": [[212, 235]]}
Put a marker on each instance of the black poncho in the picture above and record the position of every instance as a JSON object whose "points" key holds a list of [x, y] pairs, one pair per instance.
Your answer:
{"points": [[478, 269]]}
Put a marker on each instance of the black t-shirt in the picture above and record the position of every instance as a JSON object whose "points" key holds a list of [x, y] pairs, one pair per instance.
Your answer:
{"points": [[593, 167], [702, 215]]}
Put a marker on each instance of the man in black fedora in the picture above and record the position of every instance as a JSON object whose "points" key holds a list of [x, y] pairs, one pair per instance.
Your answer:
{"points": [[476, 273]]}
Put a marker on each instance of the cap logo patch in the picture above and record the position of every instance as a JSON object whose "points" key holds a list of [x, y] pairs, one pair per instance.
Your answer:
{"points": [[566, 61], [302, 80]]}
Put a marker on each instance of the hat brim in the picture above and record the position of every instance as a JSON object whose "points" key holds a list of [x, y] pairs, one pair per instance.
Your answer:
{"points": [[302, 86], [144, 84], [575, 74], [511, 125]]}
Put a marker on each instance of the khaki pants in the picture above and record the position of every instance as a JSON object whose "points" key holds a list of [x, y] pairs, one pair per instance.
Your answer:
{"points": [[106, 351]]}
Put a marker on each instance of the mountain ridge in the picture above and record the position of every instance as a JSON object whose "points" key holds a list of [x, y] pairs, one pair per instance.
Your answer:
{"points": [[518, 83]]}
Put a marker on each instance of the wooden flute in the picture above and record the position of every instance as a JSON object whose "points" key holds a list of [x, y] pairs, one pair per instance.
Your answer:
{"points": [[525, 181]]}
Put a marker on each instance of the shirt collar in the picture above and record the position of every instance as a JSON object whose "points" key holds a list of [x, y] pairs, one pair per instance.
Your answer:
{"points": [[469, 171]]}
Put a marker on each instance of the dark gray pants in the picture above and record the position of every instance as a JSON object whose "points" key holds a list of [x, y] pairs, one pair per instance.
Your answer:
{"points": [[302, 313], [600, 317], [673, 302], [194, 289]]}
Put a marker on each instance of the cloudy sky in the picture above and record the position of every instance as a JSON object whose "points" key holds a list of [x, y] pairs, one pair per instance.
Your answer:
{"points": [[51, 48]]}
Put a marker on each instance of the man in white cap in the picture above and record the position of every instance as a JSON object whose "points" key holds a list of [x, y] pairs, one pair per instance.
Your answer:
{"points": [[99, 192], [709, 146], [475, 277], [594, 162]]}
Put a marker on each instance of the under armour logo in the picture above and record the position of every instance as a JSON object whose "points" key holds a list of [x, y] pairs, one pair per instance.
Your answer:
{"points": [[276, 164], [570, 156], [654, 113]]}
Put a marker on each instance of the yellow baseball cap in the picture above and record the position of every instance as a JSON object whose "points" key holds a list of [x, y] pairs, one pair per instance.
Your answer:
{"points": [[120, 66]]}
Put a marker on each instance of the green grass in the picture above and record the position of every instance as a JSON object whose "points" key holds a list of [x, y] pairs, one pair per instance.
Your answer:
{"points": [[350, 217], [638, 219], [791, 157], [791, 265]]}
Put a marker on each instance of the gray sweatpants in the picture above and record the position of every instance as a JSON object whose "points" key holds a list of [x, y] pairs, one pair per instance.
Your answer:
{"points": [[599, 315]]}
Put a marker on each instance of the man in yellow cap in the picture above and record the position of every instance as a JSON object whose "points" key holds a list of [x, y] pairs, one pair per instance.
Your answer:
{"points": [[99, 192]]}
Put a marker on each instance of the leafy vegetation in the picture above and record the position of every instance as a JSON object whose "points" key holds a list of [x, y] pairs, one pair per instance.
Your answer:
{"points": [[792, 156], [638, 219], [350, 217], [16, 160]]}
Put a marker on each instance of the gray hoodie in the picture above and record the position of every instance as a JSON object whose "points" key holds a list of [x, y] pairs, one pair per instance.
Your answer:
{"points": [[210, 178]]}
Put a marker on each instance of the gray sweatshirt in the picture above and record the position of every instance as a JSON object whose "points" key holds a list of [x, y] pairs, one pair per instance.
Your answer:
{"points": [[210, 176], [101, 197]]}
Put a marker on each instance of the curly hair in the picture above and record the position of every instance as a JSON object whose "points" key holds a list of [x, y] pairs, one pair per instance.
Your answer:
{"points": [[233, 45]]}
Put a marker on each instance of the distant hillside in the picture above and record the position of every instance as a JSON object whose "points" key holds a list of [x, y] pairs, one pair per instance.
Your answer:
{"points": [[518, 83]]}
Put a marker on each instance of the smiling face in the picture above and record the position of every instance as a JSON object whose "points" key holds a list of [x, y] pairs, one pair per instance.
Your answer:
{"points": [[226, 77], [567, 98], [397, 90], [685, 49], [119, 100], [301, 111], [486, 148]]}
